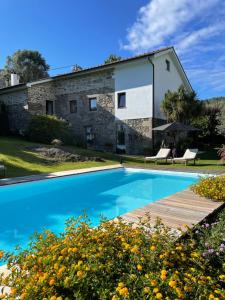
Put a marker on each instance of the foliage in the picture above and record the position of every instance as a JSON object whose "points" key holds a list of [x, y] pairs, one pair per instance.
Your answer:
{"points": [[77, 68], [211, 240], [211, 187], [29, 65], [207, 122], [112, 58], [113, 261], [181, 106], [221, 122], [46, 128]]}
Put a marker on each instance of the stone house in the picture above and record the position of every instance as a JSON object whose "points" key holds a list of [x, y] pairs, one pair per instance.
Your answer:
{"points": [[110, 107]]}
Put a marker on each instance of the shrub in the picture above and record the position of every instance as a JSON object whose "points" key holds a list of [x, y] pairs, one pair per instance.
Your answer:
{"points": [[46, 128], [112, 261], [211, 187]]}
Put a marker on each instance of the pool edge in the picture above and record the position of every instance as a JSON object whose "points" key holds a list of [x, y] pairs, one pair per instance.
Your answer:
{"points": [[45, 176]]}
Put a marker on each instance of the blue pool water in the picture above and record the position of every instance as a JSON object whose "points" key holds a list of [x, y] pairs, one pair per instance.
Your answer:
{"points": [[34, 206]]}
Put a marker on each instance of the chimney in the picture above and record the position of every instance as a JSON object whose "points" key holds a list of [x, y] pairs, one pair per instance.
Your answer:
{"points": [[15, 79]]}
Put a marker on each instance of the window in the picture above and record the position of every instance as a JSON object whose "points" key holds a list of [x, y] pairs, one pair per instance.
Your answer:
{"points": [[167, 65], [49, 107], [121, 100], [93, 104], [73, 106], [89, 134]]}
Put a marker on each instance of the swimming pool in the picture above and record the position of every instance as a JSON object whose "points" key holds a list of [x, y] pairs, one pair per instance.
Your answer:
{"points": [[34, 206]]}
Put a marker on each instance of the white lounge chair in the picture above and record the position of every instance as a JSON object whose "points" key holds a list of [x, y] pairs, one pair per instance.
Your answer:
{"points": [[162, 154], [189, 155], [3, 168]]}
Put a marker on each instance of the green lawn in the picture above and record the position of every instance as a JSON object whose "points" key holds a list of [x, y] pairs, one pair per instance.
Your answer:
{"points": [[20, 161], [208, 161]]}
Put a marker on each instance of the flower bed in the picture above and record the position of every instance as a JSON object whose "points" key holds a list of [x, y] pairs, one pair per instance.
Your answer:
{"points": [[117, 261], [211, 187]]}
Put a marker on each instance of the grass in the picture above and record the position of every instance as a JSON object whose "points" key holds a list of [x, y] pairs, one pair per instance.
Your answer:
{"points": [[20, 161], [208, 161]]}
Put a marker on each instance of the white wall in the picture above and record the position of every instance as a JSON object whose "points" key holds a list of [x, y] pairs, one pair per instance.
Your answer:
{"points": [[165, 80], [135, 79]]}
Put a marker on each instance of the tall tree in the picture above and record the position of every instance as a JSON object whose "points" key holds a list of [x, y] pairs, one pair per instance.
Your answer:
{"points": [[181, 106], [76, 68], [29, 65], [112, 58], [221, 121]]}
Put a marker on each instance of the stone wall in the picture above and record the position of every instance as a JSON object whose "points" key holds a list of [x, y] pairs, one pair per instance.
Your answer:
{"points": [[138, 135], [99, 85], [80, 89], [16, 102]]}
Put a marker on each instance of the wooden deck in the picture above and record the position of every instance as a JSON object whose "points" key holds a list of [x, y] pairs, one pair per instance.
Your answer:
{"points": [[177, 210]]}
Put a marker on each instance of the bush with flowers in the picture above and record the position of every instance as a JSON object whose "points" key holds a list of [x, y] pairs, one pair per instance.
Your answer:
{"points": [[114, 261], [211, 187]]}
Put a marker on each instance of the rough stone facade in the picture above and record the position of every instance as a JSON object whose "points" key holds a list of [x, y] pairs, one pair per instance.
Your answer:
{"points": [[16, 106], [138, 135], [97, 85], [100, 85]]}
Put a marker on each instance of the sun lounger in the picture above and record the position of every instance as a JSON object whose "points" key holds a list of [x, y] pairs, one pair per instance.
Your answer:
{"points": [[162, 154], [189, 155]]}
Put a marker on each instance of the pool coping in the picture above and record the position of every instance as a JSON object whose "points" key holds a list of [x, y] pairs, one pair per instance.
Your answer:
{"points": [[43, 176]]}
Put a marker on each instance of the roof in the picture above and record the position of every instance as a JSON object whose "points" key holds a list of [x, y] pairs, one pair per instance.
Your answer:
{"points": [[175, 126], [97, 68]]}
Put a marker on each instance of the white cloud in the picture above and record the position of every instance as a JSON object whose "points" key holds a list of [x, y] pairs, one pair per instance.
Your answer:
{"points": [[159, 20], [195, 28], [198, 36]]}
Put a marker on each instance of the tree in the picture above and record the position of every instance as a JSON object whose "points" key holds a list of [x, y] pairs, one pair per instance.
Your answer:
{"points": [[221, 120], [76, 68], [28, 64], [207, 122], [181, 106], [112, 58]]}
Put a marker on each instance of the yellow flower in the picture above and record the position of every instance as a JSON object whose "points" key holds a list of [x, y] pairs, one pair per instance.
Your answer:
{"points": [[146, 290], [23, 296], [163, 277], [158, 296], [13, 291], [153, 282], [124, 291], [80, 274], [1, 254], [135, 249], [121, 285], [51, 281], [67, 281], [155, 290], [139, 267], [163, 272], [153, 248], [172, 283], [115, 297], [53, 298]]}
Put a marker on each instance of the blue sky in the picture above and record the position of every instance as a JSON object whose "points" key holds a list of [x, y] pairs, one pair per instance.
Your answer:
{"points": [[69, 32]]}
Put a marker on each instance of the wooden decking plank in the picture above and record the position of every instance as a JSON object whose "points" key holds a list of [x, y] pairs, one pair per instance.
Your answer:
{"points": [[176, 210]]}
